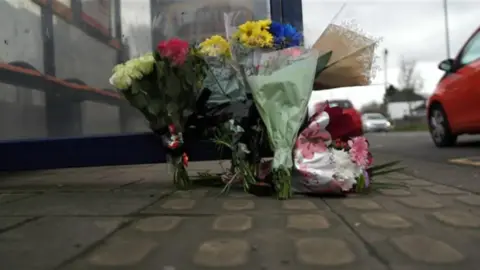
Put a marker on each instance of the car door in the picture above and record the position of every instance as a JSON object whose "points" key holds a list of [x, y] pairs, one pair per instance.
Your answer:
{"points": [[468, 69]]}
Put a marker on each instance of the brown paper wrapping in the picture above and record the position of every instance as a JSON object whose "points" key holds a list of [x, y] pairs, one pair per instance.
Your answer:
{"points": [[351, 61]]}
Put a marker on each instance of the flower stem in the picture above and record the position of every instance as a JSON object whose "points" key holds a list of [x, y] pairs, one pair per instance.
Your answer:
{"points": [[283, 179], [180, 177]]}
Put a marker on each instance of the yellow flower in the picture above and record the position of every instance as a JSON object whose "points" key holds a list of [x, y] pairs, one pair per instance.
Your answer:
{"points": [[265, 24], [255, 34], [215, 46]]}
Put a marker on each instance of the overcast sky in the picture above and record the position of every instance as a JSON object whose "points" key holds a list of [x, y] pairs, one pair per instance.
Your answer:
{"points": [[413, 29]]}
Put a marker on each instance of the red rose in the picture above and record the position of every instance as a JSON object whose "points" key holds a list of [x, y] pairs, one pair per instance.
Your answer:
{"points": [[174, 144], [369, 159], [338, 143], [176, 50], [185, 159], [341, 125]]}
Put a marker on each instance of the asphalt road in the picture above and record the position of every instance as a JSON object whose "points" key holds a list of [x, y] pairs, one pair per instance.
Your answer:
{"points": [[422, 159]]}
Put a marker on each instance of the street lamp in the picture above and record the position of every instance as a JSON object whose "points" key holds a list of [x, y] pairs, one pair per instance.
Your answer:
{"points": [[447, 34], [385, 67]]}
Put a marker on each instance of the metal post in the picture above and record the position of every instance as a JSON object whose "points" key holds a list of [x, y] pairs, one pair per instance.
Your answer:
{"points": [[447, 34], [153, 14], [385, 67], [385, 81]]}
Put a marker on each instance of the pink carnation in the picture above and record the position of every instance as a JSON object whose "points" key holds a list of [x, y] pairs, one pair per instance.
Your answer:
{"points": [[294, 52], [359, 151]]}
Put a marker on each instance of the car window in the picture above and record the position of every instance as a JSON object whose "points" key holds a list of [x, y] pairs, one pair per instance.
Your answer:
{"points": [[344, 104], [472, 51], [374, 116]]}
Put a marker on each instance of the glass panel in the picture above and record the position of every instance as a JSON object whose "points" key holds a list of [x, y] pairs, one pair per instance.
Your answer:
{"points": [[472, 50], [56, 57], [195, 20], [345, 104]]}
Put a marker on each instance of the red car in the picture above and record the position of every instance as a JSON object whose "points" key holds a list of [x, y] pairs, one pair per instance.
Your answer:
{"points": [[454, 107], [347, 106]]}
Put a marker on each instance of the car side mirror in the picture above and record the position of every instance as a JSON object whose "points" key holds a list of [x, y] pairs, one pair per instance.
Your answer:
{"points": [[446, 65]]}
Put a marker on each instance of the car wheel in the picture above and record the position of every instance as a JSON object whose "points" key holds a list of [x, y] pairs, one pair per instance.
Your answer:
{"points": [[439, 128]]}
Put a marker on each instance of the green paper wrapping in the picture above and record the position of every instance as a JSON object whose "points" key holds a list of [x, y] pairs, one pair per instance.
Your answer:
{"points": [[281, 91]]}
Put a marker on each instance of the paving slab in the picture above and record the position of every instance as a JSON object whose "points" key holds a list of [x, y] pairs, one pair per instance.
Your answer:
{"points": [[48, 242], [265, 237], [7, 223], [145, 225], [82, 203], [417, 231], [11, 197]]}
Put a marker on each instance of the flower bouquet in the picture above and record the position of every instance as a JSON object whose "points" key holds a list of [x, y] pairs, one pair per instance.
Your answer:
{"points": [[281, 91], [331, 156], [278, 74], [228, 99], [251, 88], [280, 78], [352, 61], [164, 85], [221, 78]]}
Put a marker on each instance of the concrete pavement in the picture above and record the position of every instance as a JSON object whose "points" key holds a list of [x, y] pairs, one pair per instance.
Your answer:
{"points": [[129, 218]]}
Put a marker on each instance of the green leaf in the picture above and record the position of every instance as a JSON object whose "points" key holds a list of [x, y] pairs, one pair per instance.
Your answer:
{"points": [[378, 186], [189, 73], [136, 87], [156, 55], [159, 67], [360, 183], [386, 185], [155, 107], [322, 63], [377, 173], [172, 108], [174, 86], [384, 165], [139, 101]]}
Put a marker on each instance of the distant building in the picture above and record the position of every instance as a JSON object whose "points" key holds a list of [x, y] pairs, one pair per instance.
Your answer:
{"points": [[420, 111], [404, 104]]}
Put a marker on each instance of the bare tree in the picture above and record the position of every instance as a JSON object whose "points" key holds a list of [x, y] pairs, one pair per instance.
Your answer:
{"points": [[409, 81]]}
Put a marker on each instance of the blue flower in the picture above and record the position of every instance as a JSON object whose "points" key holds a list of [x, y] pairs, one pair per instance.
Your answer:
{"points": [[285, 35], [276, 29], [292, 36]]}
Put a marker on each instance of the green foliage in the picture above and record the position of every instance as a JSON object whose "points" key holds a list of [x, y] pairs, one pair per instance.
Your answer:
{"points": [[225, 137], [374, 172]]}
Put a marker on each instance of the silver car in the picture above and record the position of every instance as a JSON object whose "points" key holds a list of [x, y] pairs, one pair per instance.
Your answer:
{"points": [[375, 122]]}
